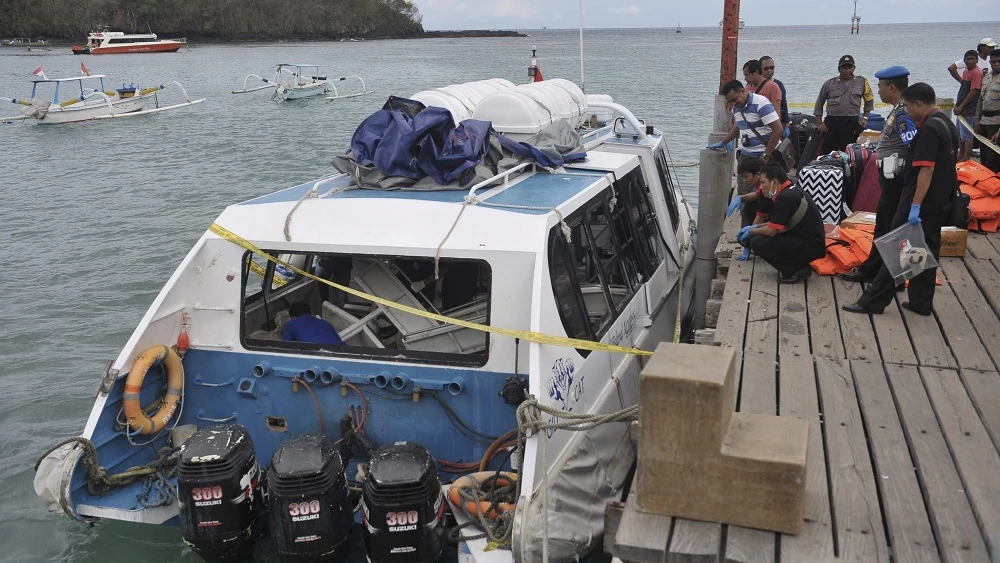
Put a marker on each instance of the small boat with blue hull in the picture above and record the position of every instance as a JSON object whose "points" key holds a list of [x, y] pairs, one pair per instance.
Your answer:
{"points": [[456, 309]]}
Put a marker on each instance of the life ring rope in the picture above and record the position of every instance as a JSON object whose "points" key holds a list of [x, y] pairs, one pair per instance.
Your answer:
{"points": [[480, 495], [138, 421]]}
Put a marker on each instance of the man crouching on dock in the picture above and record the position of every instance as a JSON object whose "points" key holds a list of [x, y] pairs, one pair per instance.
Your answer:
{"points": [[793, 235]]}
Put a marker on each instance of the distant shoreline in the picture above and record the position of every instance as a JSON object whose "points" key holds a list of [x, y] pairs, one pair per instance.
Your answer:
{"points": [[448, 34]]}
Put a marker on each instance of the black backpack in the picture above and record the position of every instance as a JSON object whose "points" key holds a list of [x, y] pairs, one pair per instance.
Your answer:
{"points": [[960, 214]]}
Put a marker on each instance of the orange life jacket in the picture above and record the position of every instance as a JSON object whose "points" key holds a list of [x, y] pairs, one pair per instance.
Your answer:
{"points": [[981, 179]]}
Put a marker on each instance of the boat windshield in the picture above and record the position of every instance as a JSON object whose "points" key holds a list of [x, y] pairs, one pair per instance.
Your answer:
{"points": [[461, 290]]}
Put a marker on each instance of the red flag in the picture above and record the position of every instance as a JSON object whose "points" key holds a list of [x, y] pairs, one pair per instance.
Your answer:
{"points": [[84, 68], [38, 71]]}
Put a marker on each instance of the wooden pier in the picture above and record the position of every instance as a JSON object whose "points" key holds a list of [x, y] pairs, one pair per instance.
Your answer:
{"points": [[904, 445]]}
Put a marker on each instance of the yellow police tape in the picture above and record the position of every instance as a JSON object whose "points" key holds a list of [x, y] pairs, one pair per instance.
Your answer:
{"points": [[228, 235], [986, 142], [942, 105]]}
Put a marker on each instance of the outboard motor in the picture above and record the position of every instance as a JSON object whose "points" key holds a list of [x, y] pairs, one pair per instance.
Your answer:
{"points": [[219, 493], [310, 515], [402, 506]]}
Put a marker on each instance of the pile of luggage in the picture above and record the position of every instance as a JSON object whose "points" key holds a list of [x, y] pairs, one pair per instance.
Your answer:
{"points": [[982, 186]]}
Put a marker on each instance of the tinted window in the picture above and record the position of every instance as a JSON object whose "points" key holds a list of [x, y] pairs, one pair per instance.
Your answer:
{"points": [[668, 187]]}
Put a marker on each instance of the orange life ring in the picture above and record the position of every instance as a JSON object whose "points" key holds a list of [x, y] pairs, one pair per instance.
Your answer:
{"points": [[476, 481], [137, 420]]}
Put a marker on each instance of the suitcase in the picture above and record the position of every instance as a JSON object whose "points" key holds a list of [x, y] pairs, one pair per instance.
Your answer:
{"points": [[857, 154], [811, 151], [824, 181], [802, 129], [875, 121]]}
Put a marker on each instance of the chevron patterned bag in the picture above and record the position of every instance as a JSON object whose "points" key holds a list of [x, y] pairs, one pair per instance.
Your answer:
{"points": [[824, 181]]}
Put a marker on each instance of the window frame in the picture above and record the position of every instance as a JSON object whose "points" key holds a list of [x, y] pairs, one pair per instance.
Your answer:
{"points": [[667, 185], [392, 355]]}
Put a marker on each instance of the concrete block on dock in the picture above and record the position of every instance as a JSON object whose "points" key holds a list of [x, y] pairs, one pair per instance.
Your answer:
{"points": [[700, 460]]}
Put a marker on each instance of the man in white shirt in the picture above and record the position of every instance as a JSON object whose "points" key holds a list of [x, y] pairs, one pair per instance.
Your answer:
{"points": [[986, 45]]}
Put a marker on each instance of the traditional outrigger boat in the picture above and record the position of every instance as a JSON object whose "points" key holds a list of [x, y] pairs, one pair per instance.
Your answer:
{"points": [[477, 318], [90, 102], [293, 81]]}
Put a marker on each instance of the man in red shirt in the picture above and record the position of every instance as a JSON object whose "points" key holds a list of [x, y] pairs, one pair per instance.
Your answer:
{"points": [[753, 73]]}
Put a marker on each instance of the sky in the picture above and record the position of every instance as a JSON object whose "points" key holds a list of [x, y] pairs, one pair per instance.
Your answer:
{"points": [[535, 14]]}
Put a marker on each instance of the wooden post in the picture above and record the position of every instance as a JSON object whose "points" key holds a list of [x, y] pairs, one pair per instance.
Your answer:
{"points": [[700, 460]]}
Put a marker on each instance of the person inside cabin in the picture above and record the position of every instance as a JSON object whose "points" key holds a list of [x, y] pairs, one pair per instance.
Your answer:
{"points": [[965, 102], [793, 235], [767, 66], [930, 184], [756, 123], [304, 327], [988, 113], [843, 96]]}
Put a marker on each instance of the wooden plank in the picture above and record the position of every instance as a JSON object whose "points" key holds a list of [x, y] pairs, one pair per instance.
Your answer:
{"points": [[762, 318], [928, 343], [955, 528], [824, 326], [641, 537], [694, 542], [978, 246], [735, 302], [857, 330], [705, 337], [793, 322], [977, 309], [613, 512], [712, 307], [758, 395], [893, 340], [975, 455], [799, 399], [967, 350], [984, 390], [910, 533], [988, 279], [858, 520]]}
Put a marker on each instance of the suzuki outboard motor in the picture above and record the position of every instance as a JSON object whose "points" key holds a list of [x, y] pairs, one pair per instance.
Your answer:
{"points": [[218, 490], [402, 506], [310, 515]]}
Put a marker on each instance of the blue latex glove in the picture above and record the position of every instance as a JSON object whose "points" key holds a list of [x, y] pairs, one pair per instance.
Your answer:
{"points": [[914, 217], [788, 132], [744, 236], [745, 256], [737, 203], [718, 145]]}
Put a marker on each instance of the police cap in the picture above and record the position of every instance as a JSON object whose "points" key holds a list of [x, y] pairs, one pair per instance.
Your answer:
{"points": [[846, 60], [892, 72]]}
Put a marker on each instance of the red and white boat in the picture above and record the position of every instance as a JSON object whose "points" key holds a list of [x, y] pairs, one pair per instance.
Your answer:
{"points": [[114, 42]]}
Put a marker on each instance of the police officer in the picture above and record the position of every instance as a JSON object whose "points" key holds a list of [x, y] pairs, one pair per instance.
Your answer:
{"points": [[793, 235], [893, 157], [843, 96], [929, 187]]}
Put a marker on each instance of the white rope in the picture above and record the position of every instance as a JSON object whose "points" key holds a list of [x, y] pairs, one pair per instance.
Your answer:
{"points": [[437, 253], [311, 194]]}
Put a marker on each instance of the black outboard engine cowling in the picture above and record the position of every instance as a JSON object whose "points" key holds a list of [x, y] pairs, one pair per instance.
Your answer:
{"points": [[402, 506], [310, 515], [219, 493]]}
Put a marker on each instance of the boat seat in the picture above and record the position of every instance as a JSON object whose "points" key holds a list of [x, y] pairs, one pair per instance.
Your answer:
{"points": [[352, 330], [416, 332], [280, 318]]}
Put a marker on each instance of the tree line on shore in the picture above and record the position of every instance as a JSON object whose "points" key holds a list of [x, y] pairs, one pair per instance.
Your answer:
{"points": [[214, 19]]}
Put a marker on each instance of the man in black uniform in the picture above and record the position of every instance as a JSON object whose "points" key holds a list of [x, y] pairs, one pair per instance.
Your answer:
{"points": [[793, 235], [926, 200], [893, 158], [843, 95]]}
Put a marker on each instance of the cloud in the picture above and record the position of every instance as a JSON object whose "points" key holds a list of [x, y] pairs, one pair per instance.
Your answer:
{"points": [[630, 10], [517, 9]]}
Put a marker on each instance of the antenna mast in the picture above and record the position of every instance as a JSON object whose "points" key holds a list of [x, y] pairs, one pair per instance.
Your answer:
{"points": [[855, 20], [583, 82]]}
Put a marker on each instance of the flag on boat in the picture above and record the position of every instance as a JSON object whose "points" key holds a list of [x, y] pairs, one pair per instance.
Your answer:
{"points": [[38, 72], [84, 68]]}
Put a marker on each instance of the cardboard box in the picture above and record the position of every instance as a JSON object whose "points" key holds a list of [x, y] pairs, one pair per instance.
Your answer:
{"points": [[953, 241], [858, 218], [869, 136]]}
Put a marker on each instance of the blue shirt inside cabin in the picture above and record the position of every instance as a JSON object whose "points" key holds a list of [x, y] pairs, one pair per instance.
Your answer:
{"points": [[307, 328]]}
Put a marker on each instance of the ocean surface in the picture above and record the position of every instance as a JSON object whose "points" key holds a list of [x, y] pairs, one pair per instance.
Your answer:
{"points": [[96, 216]]}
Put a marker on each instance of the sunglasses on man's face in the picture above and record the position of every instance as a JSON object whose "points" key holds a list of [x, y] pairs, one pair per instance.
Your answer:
{"points": [[769, 67]]}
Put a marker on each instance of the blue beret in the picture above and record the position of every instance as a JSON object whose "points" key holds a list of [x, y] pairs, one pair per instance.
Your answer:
{"points": [[892, 72]]}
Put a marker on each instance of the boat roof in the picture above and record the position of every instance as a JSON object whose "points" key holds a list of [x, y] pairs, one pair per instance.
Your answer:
{"points": [[414, 222], [299, 65], [72, 79]]}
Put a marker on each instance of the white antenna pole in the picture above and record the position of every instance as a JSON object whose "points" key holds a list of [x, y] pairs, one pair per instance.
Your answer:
{"points": [[583, 82]]}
